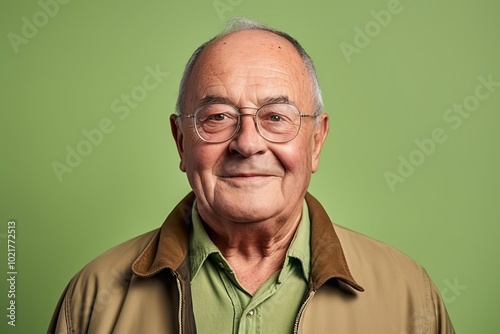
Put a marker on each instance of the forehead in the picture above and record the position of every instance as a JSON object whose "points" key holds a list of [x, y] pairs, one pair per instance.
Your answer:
{"points": [[251, 62], [248, 43]]}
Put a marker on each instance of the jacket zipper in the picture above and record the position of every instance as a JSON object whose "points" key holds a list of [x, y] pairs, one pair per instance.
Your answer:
{"points": [[302, 307], [179, 288]]}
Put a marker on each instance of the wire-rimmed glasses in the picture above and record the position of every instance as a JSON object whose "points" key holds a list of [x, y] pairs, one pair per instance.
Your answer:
{"points": [[275, 122]]}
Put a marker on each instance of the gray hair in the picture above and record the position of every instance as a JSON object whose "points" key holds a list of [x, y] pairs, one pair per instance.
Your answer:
{"points": [[240, 24]]}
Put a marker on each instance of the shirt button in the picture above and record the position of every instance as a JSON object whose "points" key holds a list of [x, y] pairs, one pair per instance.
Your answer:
{"points": [[221, 264], [250, 313]]}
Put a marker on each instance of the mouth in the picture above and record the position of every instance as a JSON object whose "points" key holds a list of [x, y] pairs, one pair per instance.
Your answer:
{"points": [[243, 175], [247, 173], [244, 178]]}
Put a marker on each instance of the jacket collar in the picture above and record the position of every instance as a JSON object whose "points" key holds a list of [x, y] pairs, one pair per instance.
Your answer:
{"points": [[169, 246], [327, 257]]}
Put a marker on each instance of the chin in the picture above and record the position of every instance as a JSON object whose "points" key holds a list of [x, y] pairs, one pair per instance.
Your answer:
{"points": [[245, 206]]}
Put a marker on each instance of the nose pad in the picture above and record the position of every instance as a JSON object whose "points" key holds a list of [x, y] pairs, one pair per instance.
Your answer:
{"points": [[248, 127], [254, 120], [247, 141]]}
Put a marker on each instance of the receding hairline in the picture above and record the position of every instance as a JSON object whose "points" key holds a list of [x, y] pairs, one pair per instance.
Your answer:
{"points": [[216, 45], [220, 38]]}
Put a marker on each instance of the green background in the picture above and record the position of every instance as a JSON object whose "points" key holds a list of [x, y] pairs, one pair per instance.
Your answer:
{"points": [[393, 91]]}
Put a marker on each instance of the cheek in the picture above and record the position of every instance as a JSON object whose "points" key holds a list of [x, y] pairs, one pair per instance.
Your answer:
{"points": [[201, 157], [296, 159]]}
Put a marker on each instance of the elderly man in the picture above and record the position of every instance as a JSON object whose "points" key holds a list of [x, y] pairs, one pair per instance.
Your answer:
{"points": [[249, 250]]}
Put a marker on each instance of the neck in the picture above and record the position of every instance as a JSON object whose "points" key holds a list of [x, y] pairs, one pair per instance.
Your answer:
{"points": [[253, 240], [254, 250]]}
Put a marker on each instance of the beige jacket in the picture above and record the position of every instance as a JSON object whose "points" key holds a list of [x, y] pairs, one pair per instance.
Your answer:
{"points": [[142, 286]]}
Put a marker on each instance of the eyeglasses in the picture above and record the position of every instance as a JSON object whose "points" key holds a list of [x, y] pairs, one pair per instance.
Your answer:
{"points": [[275, 122]]}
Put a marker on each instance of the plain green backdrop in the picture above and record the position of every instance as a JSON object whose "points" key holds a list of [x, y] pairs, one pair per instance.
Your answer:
{"points": [[392, 73]]}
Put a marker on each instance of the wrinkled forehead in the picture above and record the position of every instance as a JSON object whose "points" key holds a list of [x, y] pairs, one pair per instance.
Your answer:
{"points": [[248, 53]]}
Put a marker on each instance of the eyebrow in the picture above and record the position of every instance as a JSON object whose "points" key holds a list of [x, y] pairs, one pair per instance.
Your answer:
{"points": [[213, 99]]}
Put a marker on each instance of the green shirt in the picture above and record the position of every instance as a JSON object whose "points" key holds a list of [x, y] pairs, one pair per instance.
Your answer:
{"points": [[221, 304]]}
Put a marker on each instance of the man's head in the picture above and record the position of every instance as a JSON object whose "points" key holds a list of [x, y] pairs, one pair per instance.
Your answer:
{"points": [[249, 178]]}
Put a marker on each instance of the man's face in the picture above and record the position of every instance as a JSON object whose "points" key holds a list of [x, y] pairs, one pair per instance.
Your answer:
{"points": [[248, 179]]}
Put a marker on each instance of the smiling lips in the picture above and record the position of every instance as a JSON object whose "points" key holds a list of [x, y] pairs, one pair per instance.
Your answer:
{"points": [[247, 180], [247, 177], [248, 170], [254, 176]]}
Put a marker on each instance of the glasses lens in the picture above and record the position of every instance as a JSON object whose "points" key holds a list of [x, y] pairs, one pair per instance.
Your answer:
{"points": [[216, 122], [278, 122]]}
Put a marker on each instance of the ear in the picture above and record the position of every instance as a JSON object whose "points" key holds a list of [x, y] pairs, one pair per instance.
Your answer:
{"points": [[178, 137], [319, 136]]}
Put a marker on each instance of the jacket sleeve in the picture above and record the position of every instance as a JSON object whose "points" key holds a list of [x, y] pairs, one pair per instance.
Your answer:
{"points": [[73, 311], [59, 323], [442, 323]]}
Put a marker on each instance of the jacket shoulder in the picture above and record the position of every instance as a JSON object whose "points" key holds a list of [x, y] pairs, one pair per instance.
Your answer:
{"points": [[384, 271], [360, 249], [398, 296], [101, 285], [119, 258]]}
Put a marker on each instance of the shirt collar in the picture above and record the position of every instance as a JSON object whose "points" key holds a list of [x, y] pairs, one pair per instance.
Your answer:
{"points": [[201, 246], [300, 247]]}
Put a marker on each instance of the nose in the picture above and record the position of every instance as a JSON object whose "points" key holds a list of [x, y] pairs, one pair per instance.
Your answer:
{"points": [[248, 140]]}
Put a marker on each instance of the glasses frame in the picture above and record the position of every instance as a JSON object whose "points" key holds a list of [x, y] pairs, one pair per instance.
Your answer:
{"points": [[240, 115]]}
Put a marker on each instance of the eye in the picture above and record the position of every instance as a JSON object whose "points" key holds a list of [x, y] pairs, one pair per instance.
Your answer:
{"points": [[275, 118], [216, 114], [217, 117]]}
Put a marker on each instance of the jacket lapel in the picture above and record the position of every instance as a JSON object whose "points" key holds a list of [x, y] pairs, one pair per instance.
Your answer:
{"points": [[327, 257]]}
